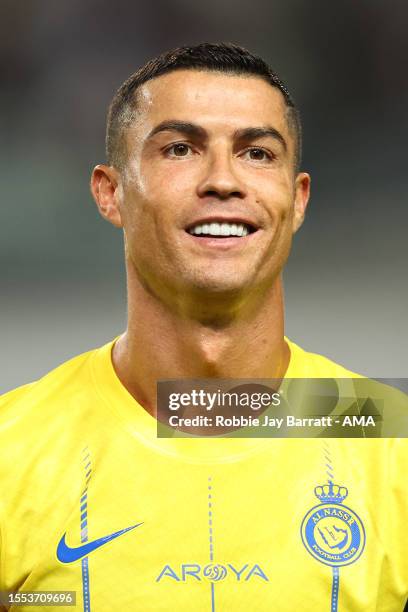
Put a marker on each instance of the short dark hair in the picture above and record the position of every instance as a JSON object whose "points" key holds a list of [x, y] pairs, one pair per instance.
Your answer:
{"points": [[223, 57]]}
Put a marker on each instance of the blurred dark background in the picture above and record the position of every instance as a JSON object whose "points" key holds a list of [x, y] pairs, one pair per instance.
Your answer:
{"points": [[62, 276]]}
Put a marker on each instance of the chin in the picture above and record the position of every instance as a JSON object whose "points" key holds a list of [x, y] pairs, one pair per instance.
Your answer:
{"points": [[219, 285]]}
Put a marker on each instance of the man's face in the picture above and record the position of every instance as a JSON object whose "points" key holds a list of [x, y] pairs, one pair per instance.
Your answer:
{"points": [[208, 197]]}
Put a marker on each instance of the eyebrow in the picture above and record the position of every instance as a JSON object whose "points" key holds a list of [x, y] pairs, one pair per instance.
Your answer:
{"points": [[194, 130], [178, 126], [253, 133]]}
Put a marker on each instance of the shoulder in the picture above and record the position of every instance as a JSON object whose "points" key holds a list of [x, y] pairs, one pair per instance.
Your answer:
{"points": [[51, 399], [58, 373], [304, 364], [381, 399], [43, 424]]}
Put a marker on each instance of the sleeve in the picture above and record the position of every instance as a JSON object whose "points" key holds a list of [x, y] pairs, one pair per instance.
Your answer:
{"points": [[398, 516]]}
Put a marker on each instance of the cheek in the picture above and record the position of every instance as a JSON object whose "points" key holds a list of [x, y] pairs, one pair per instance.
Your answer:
{"points": [[160, 201], [277, 197], [147, 216], [163, 178], [168, 193]]}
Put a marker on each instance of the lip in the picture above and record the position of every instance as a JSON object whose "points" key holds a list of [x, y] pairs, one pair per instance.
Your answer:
{"points": [[221, 243]]}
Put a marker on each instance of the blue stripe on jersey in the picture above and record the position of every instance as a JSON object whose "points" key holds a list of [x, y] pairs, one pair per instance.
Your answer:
{"points": [[84, 530]]}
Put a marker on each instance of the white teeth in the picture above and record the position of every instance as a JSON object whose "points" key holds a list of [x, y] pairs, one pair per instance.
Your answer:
{"points": [[225, 229], [220, 229]]}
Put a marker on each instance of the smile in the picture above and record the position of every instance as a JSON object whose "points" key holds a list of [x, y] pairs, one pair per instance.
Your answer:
{"points": [[222, 230]]}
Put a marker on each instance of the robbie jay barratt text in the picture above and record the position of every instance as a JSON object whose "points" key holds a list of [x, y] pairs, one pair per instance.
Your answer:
{"points": [[267, 421]]}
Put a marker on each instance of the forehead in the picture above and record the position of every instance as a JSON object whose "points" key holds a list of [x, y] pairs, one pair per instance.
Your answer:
{"points": [[212, 100]]}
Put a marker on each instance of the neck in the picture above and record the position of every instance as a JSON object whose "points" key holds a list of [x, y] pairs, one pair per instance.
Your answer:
{"points": [[245, 341]]}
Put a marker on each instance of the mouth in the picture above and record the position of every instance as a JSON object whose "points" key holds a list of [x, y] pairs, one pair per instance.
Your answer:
{"points": [[221, 229]]}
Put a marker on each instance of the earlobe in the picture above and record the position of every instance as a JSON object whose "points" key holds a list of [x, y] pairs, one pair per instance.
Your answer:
{"points": [[105, 191], [302, 193]]}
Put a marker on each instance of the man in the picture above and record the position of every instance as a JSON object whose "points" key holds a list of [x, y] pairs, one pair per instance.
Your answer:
{"points": [[203, 147]]}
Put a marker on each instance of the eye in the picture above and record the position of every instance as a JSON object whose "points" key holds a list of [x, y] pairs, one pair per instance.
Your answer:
{"points": [[180, 149], [258, 154]]}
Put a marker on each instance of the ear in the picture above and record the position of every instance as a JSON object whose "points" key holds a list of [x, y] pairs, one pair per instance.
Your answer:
{"points": [[105, 188], [302, 192]]}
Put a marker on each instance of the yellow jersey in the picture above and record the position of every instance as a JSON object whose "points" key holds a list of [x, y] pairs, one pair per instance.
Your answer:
{"points": [[92, 501]]}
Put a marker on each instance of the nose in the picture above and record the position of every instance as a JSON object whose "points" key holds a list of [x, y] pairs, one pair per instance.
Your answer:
{"points": [[220, 178]]}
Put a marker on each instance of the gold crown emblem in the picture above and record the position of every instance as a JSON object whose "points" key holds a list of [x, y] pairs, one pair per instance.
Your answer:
{"points": [[331, 493]]}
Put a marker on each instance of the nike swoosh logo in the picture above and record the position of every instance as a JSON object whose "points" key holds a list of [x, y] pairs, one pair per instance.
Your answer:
{"points": [[67, 554]]}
